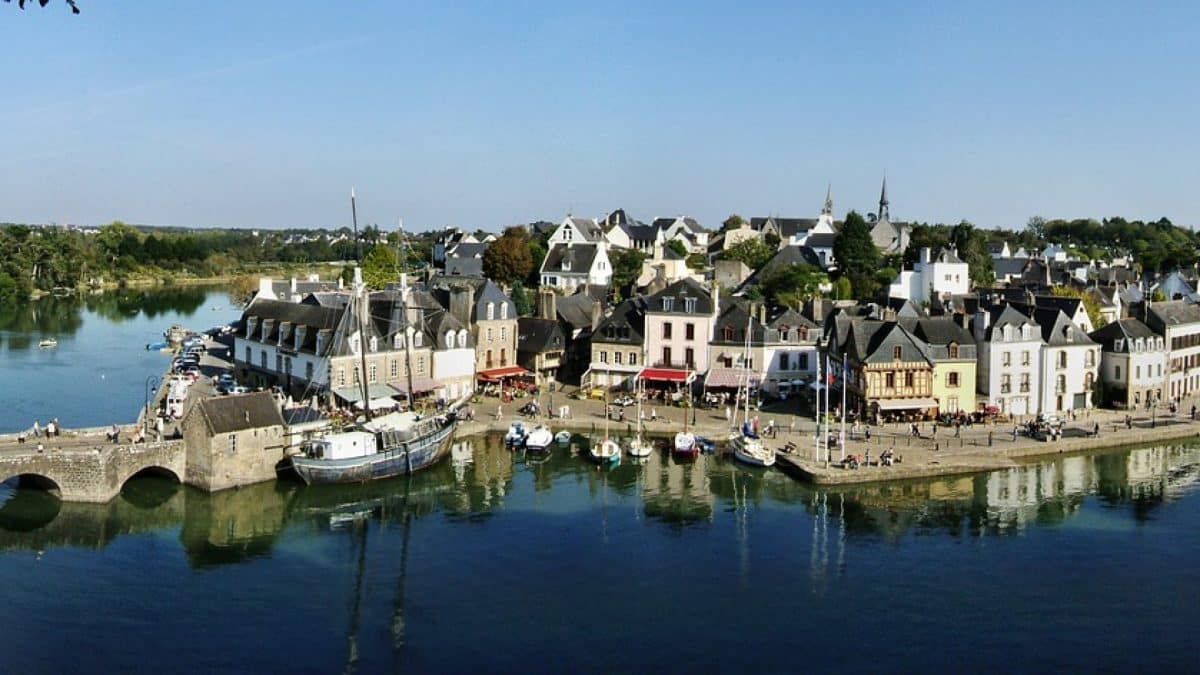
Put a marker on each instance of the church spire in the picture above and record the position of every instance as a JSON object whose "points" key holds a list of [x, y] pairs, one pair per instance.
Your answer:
{"points": [[827, 210], [883, 201]]}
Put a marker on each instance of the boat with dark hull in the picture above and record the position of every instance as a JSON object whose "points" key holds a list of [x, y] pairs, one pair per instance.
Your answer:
{"points": [[388, 446]]}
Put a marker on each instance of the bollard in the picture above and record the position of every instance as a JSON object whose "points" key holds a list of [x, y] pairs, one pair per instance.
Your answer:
{"points": [[989, 439]]}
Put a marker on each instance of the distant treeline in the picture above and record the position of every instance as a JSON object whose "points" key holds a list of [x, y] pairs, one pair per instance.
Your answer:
{"points": [[50, 257]]}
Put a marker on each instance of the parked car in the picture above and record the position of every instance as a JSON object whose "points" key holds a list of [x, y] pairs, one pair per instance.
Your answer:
{"points": [[192, 372], [237, 389], [624, 400]]}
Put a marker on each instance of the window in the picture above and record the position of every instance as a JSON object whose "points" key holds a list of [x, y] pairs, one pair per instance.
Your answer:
{"points": [[249, 357], [667, 330], [1062, 359], [373, 344], [689, 331], [417, 339], [1060, 384], [504, 333], [372, 375], [1006, 359], [503, 356], [1117, 371], [889, 380], [1137, 397], [668, 304], [278, 362], [952, 379], [1025, 358], [803, 362], [397, 341], [952, 351], [489, 334], [1005, 383], [263, 359], [633, 358], [1090, 359], [357, 375], [603, 357], [783, 361], [232, 443], [504, 310], [726, 333], [1025, 382], [617, 358], [908, 379], [421, 365], [897, 351], [689, 305], [491, 311], [1139, 373], [488, 359], [308, 371], [394, 368], [689, 357], [341, 377], [666, 356]]}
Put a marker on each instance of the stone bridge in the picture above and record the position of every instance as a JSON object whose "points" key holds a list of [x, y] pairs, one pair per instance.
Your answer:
{"points": [[92, 472]]}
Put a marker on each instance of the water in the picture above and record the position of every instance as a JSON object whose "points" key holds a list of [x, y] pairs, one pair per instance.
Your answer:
{"points": [[489, 562], [97, 374]]}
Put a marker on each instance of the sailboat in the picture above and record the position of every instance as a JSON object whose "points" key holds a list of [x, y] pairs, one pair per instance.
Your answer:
{"points": [[638, 445], [747, 447], [685, 445], [606, 452]]}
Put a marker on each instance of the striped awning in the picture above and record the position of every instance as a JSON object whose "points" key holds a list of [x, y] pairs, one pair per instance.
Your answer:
{"points": [[420, 385], [729, 377], [355, 394]]}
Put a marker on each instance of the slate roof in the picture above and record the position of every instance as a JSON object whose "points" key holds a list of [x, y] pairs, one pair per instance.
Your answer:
{"points": [[679, 292], [538, 335], [1172, 313], [225, 414], [1125, 329], [588, 228], [948, 256], [464, 267], [579, 257], [791, 318], [626, 324], [315, 317], [690, 224], [734, 317], [785, 257], [1008, 315], [1057, 328], [820, 240], [1008, 267], [787, 227], [1068, 305], [639, 231], [467, 250], [575, 310]]}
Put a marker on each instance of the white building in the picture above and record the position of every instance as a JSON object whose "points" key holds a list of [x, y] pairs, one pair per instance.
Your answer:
{"points": [[1178, 321], [1134, 363], [679, 326], [574, 230], [686, 229], [571, 265], [1070, 361], [1009, 345], [932, 277]]}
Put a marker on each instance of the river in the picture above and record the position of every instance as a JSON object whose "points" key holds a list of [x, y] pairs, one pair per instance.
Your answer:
{"points": [[489, 562], [97, 374]]}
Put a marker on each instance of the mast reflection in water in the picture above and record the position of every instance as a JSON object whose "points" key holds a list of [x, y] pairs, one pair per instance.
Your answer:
{"points": [[655, 565]]}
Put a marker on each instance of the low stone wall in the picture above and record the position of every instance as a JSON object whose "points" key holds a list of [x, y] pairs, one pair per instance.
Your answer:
{"points": [[92, 474]]}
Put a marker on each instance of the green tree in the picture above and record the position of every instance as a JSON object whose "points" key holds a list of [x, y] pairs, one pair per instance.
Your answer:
{"points": [[627, 267], [792, 285], [1089, 303], [733, 222], [856, 255], [753, 252], [520, 298], [677, 247], [842, 289], [380, 266], [117, 239], [508, 258]]}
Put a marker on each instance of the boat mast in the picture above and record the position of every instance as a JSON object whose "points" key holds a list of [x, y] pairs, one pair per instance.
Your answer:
{"points": [[407, 338], [360, 292], [354, 219], [746, 370]]}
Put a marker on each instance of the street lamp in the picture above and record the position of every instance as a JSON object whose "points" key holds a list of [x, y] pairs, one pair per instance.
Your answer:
{"points": [[152, 381]]}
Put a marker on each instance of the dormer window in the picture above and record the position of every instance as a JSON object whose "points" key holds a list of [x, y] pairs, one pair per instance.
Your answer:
{"points": [[504, 310], [952, 351], [374, 343], [668, 304], [301, 333], [689, 305], [417, 339], [491, 311], [462, 338], [267, 327], [449, 339], [251, 326], [397, 341], [727, 333], [897, 352], [1025, 332]]}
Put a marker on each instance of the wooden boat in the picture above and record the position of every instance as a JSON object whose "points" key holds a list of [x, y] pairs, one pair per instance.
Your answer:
{"points": [[392, 445]]}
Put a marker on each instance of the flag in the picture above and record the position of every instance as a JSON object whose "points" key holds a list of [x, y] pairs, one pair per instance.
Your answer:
{"points": [[829, 378]]}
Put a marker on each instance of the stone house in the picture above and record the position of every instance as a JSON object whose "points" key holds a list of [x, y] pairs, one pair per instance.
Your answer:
{"points": [[618, 347], [233, 440], [1178, 321], [490, 317], [679, 326], [569, 265], [540, 346]]}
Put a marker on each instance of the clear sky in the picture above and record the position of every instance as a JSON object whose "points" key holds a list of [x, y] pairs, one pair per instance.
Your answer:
{"points": [[264, 114]]}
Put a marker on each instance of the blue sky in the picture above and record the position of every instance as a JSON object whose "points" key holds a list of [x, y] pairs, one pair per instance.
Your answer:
{"points": [[263, 114]]}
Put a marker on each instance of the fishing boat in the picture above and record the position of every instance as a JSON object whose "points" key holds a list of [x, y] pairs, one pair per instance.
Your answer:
{"points": [[539, 438], [563, 437], [516, 433], [607, 452], [157, 346], [48, 343], [391, 445], [639, 446], [747, 447]]}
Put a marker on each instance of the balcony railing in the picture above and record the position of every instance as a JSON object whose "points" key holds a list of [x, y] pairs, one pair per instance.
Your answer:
{"points": [[1005, 388]]}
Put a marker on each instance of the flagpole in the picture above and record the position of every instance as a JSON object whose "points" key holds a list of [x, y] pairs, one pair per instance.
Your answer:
{"points": [[842, 433], [354, 218], [828, 378], [817, 454]]}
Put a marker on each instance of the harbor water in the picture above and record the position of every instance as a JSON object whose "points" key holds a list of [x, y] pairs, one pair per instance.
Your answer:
{"points": [[498, 562]]}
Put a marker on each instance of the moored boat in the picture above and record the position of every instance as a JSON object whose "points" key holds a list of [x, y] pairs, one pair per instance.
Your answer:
{"points": [[392, 445], [748, 448], [607, 452], [157, 346], [685, 445], [563, 437], [516, 433], [539, 438], [48, 343]]}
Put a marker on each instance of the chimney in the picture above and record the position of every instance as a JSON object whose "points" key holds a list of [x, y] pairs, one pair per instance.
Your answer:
{"points": [[460, 304], [597, 314], [762, 313], [547, 303], [926, 255], [292, 288], [716, 297], [264, 288]]}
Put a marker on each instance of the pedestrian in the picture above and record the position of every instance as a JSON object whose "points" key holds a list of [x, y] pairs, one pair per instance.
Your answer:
{"points": [[867, 433], [20, 437], [499, 412], [933, 429], [653, 415], [1096, 429], [1014, 433], [957, 428], [50, 429], [1128, 422], [40, 447], [728, 414], [57, 427], [37, 429]]}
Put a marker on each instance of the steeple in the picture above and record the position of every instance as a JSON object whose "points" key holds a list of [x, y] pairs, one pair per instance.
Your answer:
{"points": [[827, 210], [883, 201]]}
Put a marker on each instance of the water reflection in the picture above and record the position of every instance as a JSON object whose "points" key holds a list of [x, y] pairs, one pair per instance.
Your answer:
{"points": [[478, 481]]}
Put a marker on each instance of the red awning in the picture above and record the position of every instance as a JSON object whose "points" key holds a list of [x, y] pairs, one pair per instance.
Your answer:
{"points": [[500, 373], [666, 375]]}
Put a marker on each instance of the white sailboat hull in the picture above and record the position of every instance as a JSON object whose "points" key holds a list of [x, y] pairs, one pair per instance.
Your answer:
{"points": [[751, 451]]}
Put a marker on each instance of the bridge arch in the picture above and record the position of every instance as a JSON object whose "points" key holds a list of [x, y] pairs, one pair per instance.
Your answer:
{"points": [[150, 494], [36, 481]]}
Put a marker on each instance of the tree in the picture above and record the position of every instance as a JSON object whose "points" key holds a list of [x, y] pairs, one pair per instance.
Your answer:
{"points": [[792, 285], [380, 266], [43, 3], [856, 255], [520, 298], [627, 267], [733, 222], [677, 247], [508, 258], [842, 289], [1089, 303], [753, 252]]}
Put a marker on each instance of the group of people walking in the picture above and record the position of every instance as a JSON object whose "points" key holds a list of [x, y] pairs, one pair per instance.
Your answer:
{"points": [[51, 430]]}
